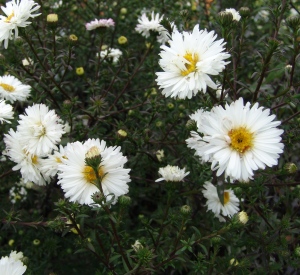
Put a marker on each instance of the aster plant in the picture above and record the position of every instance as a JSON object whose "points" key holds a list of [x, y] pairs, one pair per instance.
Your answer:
{"points": [[156, 137]]}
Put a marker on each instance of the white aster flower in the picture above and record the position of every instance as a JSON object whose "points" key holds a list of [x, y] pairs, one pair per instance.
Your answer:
{"points": [[12, 264], [77, 179], [12, 89], [40, 130], [172, 173], [6, 112], [231, 202], [16, 15], [238, 139], [101, 23], [28, 164], [189, 61], [235, 14], [145, 26], [111, 54], [49, 165]]}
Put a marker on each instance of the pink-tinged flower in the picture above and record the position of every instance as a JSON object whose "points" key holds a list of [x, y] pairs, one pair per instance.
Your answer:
{"points": [[101, 23]]}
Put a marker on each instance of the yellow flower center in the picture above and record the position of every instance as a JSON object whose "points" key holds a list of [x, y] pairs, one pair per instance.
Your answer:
{"points": [[7, 87], [190, 65], [89, 173], [226, 197], [7, 20], [58, 160], [241, 139], [34, 159]]}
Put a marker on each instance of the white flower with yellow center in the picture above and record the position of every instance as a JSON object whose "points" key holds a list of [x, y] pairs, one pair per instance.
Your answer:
{"points": [[238, 139], [12, 89], [41, 130], [49, 165], [28, 164], [189, 61], [231, 202], [6, 112], [78, 180], [172, 173], [12, 264], [16, 15]]}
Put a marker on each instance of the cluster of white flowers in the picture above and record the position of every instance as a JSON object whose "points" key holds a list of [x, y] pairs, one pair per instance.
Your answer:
{"points": [[12, 264], [188, 62], [237, 139], [16, 15], [101, 23], [78, 180], [38, 133], [17, 193], [111, 54], [172, 173], [146, 26]]}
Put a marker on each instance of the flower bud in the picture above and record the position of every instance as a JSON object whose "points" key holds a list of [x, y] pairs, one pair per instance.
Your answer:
{"points": [[52, 18], [124, 200], [297, 251], [73, 39], [290, 167], [98, 198], [93, 157], [234, 262], [79, 71], [185, 210], [137, 246], [36, 242], [122, 133], [160, 155], [122, 40], [225, 18], [123, 10], [293, 22], [244, 12], [170, 106], [19, 41], [243, 217]]}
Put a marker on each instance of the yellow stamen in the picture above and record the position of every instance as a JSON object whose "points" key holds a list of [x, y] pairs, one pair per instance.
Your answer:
{"points": [[226, 197], [241, 139], [7, 87], [7, 20], [89, 173], [190, 65], [58, 160], [34, 159]]}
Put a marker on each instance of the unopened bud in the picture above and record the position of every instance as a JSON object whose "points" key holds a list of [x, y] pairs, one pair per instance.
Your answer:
{"points": [[243, 217], [124, 200], [122, 133], [79, 71], [122, 40], [185, 210], [290, 167], [234, 262], [52, 18], [244, 12]]}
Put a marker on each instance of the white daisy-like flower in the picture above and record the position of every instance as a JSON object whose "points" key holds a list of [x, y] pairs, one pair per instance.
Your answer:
{"points": [[189, 61], [49, 165], [238, 139], [235, 14], [111, 54], [12, 89], [12, 264], [231, 202], [41, 130], [101, 23], [77, 179], [172, 173], [28, 164], [6, 112], [145, 26], [16, 15]]}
